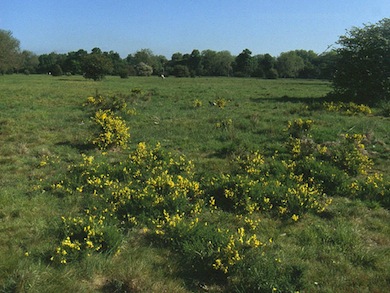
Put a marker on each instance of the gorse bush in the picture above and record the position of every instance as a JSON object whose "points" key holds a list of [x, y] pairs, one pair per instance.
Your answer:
{"points": [[113, 130], [197, 103], [347, 108], [117, 103], [339, 168], [299, 127], [259, 185], [141, 190]]}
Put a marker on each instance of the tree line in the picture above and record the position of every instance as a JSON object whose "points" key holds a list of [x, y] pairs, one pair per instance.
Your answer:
{"points": [[96, 63], [359, 68]]}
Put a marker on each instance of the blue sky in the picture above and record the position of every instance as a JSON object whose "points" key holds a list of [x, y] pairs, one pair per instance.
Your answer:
{"points": [[169, 26]]}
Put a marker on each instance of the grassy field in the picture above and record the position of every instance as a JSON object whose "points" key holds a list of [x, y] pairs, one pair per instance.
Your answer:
{"points": [[332, 237]]}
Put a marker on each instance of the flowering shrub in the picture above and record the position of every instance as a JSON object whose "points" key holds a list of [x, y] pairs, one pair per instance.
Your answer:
{"points": [[341, 168], [220, 102], [209, 248], [113, 130], [84, 235], [255, 186], [299, 128], [197, 103], [152, 186], [114, 103], [225, 124], [347, 108], [350, 155]]}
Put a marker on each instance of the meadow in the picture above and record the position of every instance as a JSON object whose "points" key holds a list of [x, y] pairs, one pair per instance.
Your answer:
{"points": [[191, 185]]}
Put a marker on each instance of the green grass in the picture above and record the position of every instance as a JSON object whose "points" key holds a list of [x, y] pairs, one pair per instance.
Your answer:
{"points": [[344, 249]]}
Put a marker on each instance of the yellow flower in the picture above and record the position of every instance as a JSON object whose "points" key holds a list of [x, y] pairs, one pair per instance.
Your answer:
{"points": [[295, 217]]}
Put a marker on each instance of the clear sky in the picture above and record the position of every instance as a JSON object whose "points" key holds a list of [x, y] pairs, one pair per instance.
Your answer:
{"points": [[169, 26]]}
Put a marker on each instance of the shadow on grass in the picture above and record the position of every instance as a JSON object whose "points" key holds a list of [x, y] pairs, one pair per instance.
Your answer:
{"points": [[288, 99], [80, 146], [72, 79], [330, 97]]}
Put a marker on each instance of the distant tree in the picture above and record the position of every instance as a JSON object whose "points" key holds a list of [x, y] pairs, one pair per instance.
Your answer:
{"points": [[177, 58], [310, 60], [9, 52], [243, 65], [363, 66], [97, 51], [289, 64], [272, 74], [29, 62], [48, 61], [258, 70], [269, 64], [194, 63], [208, 58], [327, 65], [181, 71], [116, 61], [56, 70], [159, 64], [96, 65], [145, 56], [264, 66], [223, 64], [144, 69], [73, 62]]}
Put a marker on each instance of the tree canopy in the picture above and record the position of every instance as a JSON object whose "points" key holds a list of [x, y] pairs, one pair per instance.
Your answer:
{"points": [[363, 63], [97, 63], [9, 52]]}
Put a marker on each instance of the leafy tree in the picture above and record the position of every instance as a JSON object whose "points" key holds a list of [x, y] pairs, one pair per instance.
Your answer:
{"points": [[29, 62], [363, 66], [73, 62], [207, 62], [243, 65], [144, 69], [223, 63], [181, 71], [194, 63], [263, 66], [48, 61], [327, 64], [145, 56], [57, 70], [310, 61], [96, 65], [159, 64], [9, 52], [289, 64], [116, 61]]}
